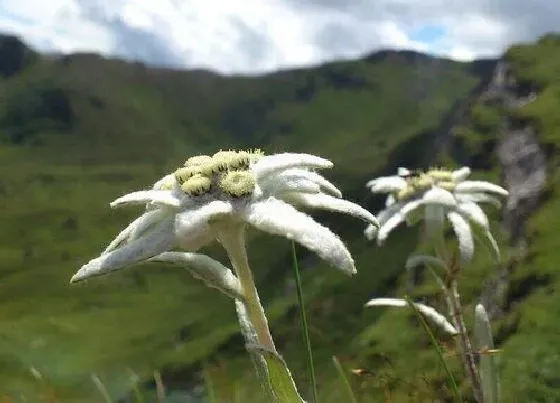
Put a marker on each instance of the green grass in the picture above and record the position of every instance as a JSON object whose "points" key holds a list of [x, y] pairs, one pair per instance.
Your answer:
{"points": [[119, 127]]}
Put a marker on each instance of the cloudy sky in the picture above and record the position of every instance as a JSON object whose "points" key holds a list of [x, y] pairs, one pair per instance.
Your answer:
{"points": [[254, 36]]}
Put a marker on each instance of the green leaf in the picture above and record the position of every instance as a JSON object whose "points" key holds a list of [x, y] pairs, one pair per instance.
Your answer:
{"points": [[488, 367], [279, 376]]}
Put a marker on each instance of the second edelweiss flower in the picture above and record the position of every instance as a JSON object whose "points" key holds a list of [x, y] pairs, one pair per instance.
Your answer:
{"points": [[188, 209], [434, 195]]}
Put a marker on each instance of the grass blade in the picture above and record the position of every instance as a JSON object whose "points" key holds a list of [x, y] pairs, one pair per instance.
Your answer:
{"points": [[348, 387], [428, 331], [304, 324], [160, 389], [210, 393], [135, 389], [102, 389]]}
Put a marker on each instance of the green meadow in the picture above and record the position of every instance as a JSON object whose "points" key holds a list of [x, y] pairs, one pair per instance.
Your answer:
{"points": [[78, 131]]}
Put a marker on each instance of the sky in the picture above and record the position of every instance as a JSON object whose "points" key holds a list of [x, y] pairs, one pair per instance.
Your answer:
{"points": [[258, 36]]}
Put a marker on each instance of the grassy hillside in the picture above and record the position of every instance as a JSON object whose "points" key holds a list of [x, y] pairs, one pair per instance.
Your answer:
{"points": [[527, 334], [78, 131]]}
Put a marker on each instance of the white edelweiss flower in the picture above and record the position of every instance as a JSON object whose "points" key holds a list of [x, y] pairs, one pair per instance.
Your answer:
{"points": [[433, 196], [230, 187]]}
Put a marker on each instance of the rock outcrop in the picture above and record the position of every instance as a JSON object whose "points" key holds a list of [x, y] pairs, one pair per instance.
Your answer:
{"points": [[524, 169]]}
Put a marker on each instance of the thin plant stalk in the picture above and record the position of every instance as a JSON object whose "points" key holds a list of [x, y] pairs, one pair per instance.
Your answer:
{"points": [[209, 384], [101, 388], [160, 389], [456, 312], [347, 386], [304, 325], [232, 239], [434, 342], [466, 345], [135, 389]]}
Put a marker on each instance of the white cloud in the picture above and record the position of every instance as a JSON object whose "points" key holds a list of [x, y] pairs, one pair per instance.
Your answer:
{"points": [[262, 35]]}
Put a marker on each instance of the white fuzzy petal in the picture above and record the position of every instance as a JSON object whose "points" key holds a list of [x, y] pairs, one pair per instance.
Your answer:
{"points": [[460, 174], [391, 199], [371, 232], [437, 195], [473, 212], [480, 186], [213, 273], [123, 235], [192, 228], [160, 239], [279, 185], [388, 212], [464, 235], [136, 228], [326, 202], [270, 164], [386, 184], [279, 218], [429, 312], [164, 197], [419, 260], [324, 184], [402, 171], [410, 206], [479, 198], [393, 222], [163, 182], [394, 218]]}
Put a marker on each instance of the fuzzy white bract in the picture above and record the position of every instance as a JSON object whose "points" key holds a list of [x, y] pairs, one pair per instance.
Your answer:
{"points": [[432, 196], [429, 312], [230, 187]]}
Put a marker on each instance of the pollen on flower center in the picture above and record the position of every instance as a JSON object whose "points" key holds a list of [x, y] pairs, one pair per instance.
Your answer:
{"points": [[423, 181], [227, 171], [197, 184], [238, 183], [440, 174], [183, 174], [198, 160]]}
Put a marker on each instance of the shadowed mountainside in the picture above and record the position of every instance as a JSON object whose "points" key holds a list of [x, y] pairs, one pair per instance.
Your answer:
{"points": [[78, 131]]}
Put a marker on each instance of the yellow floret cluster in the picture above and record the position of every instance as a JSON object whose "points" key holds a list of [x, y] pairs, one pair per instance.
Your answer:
{"points": [[226, 170], [419, 182]]}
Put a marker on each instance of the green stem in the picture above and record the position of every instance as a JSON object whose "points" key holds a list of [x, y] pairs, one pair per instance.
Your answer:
{"points": [[232, 238], [304, 324], [434, 342], [466, 345], [451, 294], [456, 311], [345, 380]]}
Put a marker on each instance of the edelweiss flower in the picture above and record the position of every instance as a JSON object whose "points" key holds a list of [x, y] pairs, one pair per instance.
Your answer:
{"points": [[437, 194], [196, 204]]}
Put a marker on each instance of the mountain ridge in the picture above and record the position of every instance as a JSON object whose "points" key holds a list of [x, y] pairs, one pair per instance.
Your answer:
{"points": [[78, 131]]}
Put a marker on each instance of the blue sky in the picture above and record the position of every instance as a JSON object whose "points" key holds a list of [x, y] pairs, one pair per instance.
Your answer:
{"points": [[254, 36], [429, 33]]}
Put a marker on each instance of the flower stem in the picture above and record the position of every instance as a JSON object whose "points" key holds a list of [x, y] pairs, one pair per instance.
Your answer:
{"points": [[455, 308], [465, 343], [232, 238]]}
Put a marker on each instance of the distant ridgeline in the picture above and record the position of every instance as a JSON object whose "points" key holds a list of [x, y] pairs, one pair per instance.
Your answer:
{"points": [[77, 131]]}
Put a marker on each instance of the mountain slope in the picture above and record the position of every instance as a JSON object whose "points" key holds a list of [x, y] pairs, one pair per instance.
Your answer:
{"points": [[78, 131], [509, 134]]}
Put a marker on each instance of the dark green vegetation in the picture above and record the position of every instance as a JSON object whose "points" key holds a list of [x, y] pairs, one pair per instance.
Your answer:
{"points": [[77, 132]]}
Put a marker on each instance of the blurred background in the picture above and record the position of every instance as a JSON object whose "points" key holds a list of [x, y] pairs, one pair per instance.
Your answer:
{"points": [[99, 98]]}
